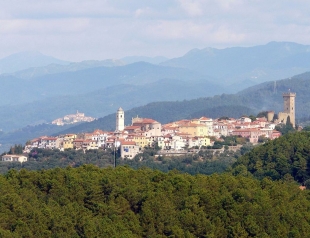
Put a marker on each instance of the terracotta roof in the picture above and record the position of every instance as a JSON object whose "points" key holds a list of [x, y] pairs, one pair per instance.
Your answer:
{"points": [[145, 121], [128, 143], [131, 127]]}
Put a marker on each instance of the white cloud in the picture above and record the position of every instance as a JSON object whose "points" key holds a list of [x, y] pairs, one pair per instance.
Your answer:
{"points": [[98, 29], [192, 7]]}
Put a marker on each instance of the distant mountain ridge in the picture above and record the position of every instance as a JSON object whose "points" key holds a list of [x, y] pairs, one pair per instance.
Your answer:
{"points": [[72, 67], [261, 63], [92, 79], [25, 60], [151, 60]]}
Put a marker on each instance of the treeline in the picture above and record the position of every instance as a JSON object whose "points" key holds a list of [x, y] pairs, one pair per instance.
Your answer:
{"points": [[122, 202], [204, 162]]}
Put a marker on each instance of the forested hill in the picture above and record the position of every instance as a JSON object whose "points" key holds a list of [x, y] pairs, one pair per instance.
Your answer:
{"points": [[265, 96], [285, 158], [122, 202]]}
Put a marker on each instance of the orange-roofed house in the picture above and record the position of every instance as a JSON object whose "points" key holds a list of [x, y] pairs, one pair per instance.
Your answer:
{"points": [[149, 126]]}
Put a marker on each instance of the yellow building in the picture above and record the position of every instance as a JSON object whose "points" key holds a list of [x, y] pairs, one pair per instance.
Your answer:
{"points": [[204, 141], [141, 141], [193, 129], [68, 141], [67, 144]]}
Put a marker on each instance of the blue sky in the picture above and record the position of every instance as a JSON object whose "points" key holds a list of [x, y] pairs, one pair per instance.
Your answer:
{"points": [[78, 30]]}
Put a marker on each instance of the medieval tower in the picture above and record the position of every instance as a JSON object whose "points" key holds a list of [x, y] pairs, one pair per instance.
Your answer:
{"points": [[289, 108], [120, 119]]}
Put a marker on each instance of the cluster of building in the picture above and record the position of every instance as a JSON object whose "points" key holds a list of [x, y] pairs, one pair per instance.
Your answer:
{"points": [[174, 136], [146, 132], [72, 118]]}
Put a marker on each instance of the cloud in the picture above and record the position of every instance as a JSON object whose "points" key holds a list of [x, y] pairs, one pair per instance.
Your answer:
{"points": [[191, 7], [98, 29]]}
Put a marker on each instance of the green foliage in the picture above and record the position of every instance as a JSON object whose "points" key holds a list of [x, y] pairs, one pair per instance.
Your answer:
{"points": [[306, 128], [253, 118], [204, 162], [224, 118], [122, 202], [284, 129], [262, 114], [287, 156], [16, 149]]}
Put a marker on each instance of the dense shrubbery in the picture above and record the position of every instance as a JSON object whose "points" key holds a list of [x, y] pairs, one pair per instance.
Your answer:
{"points": [[122, 202], [47, 159], [204, 162]]}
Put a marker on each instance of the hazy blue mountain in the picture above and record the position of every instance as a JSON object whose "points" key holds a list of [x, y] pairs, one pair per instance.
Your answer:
{"points": [[17, 91], [272, 61], [72, 67], [25, 60], [152, 60]]}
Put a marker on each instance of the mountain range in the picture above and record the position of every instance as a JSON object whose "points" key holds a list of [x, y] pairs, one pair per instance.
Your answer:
{"points": [[272, 61], [251, 101]]}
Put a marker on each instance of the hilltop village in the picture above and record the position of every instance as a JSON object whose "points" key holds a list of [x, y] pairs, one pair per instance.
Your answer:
{"points": [[72, 119], [175, 138]]}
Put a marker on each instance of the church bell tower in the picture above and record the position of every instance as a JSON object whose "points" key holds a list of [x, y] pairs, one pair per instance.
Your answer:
{"points": [[120, 119]]}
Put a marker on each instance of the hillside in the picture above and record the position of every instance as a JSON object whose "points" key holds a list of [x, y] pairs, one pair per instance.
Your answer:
{"points": [[163, 112], [93, 202], [285, 158], [100, 102], [274, 60], [258, 98]]}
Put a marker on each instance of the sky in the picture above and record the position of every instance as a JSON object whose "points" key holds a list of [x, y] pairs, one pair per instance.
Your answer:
{"points": [[77, 30]]}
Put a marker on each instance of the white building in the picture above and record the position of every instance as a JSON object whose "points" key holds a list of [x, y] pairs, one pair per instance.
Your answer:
{"points": [[129, 149], [14, 158]]}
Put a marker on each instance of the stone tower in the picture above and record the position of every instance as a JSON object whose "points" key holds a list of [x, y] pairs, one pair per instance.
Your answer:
{"points": [[289, 106], [120, 119]]}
